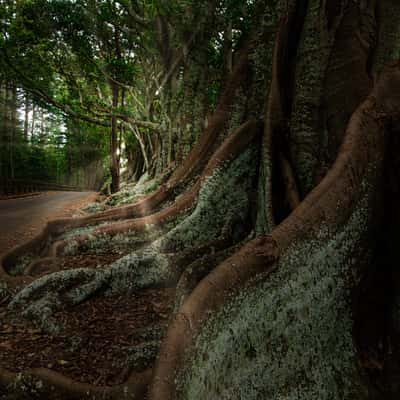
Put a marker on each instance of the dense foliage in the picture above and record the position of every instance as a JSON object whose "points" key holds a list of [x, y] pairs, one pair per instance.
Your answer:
{"points": [[145, 75]]}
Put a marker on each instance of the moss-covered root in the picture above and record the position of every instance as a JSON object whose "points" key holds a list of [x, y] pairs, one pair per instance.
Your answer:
{"points": [[196, 271], [275, 319], [228, 162], [222, 209], [43, 297], [288, 336], [44, 384], [156, 265]]}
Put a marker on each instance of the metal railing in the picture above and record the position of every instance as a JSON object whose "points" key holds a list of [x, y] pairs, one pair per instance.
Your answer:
{"points": [[10, 187]]}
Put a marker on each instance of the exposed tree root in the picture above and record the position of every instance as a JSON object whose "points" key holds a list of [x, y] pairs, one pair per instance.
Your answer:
{"points": [[330, 204], [45, 384], [218, 221], [277, 115], [46, 262], [198, 270], [232, 146], [291, 192], [193, 164], [160, 264]]}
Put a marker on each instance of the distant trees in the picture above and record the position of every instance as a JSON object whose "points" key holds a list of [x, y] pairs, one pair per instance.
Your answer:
{"points": [[36, 144], [147, 73]]}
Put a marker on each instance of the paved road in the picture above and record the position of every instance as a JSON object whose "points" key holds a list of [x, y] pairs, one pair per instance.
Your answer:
{"points": [[22, 218]]}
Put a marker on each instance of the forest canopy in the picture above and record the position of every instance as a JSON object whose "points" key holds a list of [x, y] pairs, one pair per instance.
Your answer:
{"points": [[110, 83]]}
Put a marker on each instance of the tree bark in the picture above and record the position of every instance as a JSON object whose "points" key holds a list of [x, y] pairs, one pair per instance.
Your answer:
{"points": [[359, 167], [26, 118], [114, 166]]}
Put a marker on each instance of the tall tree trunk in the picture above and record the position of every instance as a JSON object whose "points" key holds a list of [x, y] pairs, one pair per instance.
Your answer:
{"points": [[26, 118], [33, 122], [7, 126], [42, 134], [13, 130], [2, 129], [228, 49], [114, 167]]}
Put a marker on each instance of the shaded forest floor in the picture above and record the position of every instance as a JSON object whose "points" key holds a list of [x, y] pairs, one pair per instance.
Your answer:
{"points": [[100, 341], [108, 337], [103, 340]]}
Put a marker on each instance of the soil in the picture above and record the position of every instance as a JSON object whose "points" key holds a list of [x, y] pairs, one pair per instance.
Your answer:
{"points": [[99, 336], [96, 338], [90, 259]]}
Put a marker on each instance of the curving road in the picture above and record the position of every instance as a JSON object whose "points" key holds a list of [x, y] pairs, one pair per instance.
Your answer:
{"points": [[22, 218]]}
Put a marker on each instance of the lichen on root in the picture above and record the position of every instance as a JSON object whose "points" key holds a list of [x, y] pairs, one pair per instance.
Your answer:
{"points": [[41, 383], [223, 200], [275, 320], [288, 336]]}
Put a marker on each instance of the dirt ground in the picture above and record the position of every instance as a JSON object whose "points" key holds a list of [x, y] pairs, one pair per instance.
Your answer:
{"points": [[102, 340]]}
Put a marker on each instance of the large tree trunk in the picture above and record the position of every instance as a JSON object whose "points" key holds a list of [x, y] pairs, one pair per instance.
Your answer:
{"points": [[281, 306]]}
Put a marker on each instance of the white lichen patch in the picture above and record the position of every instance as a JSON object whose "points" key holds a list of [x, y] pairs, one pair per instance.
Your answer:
{"points": [[132, 191], [144, 269], [42, 298], [223, 197], [122, 242], [84, 230], [71, 249], [92, 208], [288, 336], [22, 263]]}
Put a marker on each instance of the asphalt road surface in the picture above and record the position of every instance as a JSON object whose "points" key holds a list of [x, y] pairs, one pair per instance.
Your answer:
{"points": [[22, 218]]}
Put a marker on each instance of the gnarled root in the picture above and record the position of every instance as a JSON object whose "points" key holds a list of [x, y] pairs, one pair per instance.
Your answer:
{"points": [[160, 263], [46, 295], [323, 235], [198, 270], [151, 204], [233, 146], [45, 384]]}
